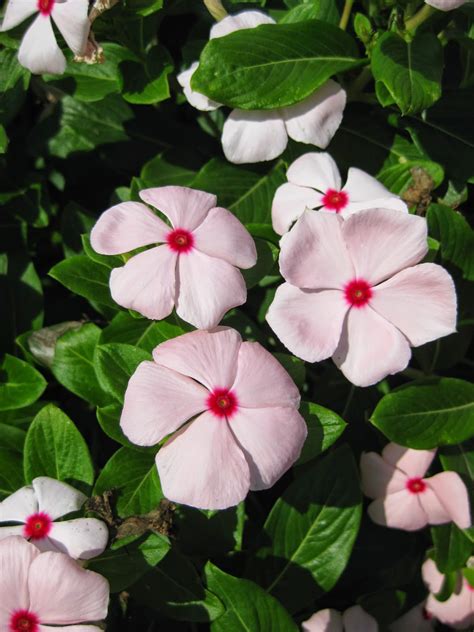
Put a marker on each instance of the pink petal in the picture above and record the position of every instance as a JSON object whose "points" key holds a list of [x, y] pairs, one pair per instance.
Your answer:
{"points": [[370, 348], [7, 532], [271, 439], [317, 118], [202, 465], [308, 323], [82, 538], [196, 99], [19, 505], [414, 463], [414, 620], [451, 492], [253, 136], [327, 620], [378, 478], [289, 203], [446, 5], [361, 187], [401, 510], [184, 207], [313, 254], [261, 381], [157, 402], [57, 498], [210, 357], [315, 170], [147, 282], [16, 557], [16, 11], [242, 20], [382, 242], [125, 227], [393, 203], [431, 576], [69, 628], [79, 595], [221, 235], [420, 301], [39, 51], [457, 611], [73, 23], [208, 288], [432, 507], [356, 619]]}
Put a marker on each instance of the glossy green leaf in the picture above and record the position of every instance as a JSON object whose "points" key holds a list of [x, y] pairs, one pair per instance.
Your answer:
{"points": [[114, 364], [324, 428], [11, 472], [20, 383], [85, 277], [455, 236], [452, 548], [141, 332]]}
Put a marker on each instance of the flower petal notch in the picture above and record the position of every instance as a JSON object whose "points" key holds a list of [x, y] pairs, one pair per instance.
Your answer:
{"points": [[194, 263], [230, 408]]}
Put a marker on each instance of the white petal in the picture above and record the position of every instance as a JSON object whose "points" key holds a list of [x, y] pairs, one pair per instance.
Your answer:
{"points": [[18, 506], [17, 11], [196, 99], [361, 187], [394, 203], [39, 51], [289, 203], [253, 136], [315, 170], [82, 538], [73, 23], [57, 498], [239, 21]]}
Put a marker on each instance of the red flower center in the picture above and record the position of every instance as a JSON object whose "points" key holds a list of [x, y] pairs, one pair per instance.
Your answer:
{"points": [[469, 587], [416, 485], [358, 293], [335, 200], [180, 240], [426, 615], [45, 7], [37, 526], [24, 621], [222, 402]]}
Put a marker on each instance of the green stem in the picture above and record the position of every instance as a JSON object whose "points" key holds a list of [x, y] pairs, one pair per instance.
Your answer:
{"points": [[356, 88], [346, 13], [423, 14], [216, 9]]}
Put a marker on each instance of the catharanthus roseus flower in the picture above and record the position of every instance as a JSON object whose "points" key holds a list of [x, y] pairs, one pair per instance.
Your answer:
{"points": [[195, 265], [314, 182], [404, 497], [446, 5], [258, 135], [38, 506], [245, 429], [39, 51], [47, 592], [353, 292], [418, 619], [458, 610], [353, 619]]}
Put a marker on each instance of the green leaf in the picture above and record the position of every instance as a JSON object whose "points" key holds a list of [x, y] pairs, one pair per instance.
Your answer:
{"points": [[109, 420], [255, 69], [294, 366], [140, 332], [325, 10], [3, 140], [14, 80], [114, 364], [144, 7], [247, 606], [324, 428], [54, 447], [460, 458], [455, 236], [427, 415], [162, 171], [408, 73], [21, 417], [11, 472], [109, 261], [85, 277], [267, 255], [12, 438], [20, 383], [451, 547], [145, 81]]}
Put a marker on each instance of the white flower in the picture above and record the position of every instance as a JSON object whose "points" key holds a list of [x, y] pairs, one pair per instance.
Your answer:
{"points": [[445, 5], [258, 135], [39, 505], [39, 51]]}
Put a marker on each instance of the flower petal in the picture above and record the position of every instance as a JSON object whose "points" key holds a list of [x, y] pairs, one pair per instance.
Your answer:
{"points": [[253, 136], [393, 203], [401, 510], [382, 242], [431, 576], [19, 505], [356, 619], [16, 11], [210, 357], [317, 118], [315, 170], [157, 402], [432, 507], [196, 99], [202, 465], [420, 301], [184, 207], [289, 203], [451, 492], [69, 628], [147, 282], [327, 620], [239, 21], [82, 538], [221, 235], [16, 557], [457, 611], [208, 288], [73, 23], [446, 5], [308, 323], [379, 478], [7, 532], [39, 51], [414, 463], [57, 498], [125, 227], [361, 187], [370, 348]]}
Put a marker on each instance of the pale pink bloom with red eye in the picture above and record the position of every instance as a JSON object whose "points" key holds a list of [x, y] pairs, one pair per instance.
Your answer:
{"points": [[39, 51], [47, 592], [259, 135], [353, 292], [314, 182], [231, 410], [37, 508], [418, 619], [354, 619], [458, 610], [404, 497], [194, 267]]}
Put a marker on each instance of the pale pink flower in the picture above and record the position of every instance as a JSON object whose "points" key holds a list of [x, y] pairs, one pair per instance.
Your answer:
{"points": [[258, 135], [446, 5], [404, 498], [38, 506], [353, 292], [195, 265], [245, 429], [47, 592], [418, 619], [354, 619], [458, 610], [314, 182], [39, 51]]}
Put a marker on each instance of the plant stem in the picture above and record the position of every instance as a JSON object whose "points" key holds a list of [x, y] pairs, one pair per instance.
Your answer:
{"points": [[346, 14], [356, 88], [216, 9], [423, 14]]}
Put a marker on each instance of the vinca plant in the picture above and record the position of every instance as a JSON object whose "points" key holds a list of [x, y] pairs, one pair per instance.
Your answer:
{"points": [[236, 315]]}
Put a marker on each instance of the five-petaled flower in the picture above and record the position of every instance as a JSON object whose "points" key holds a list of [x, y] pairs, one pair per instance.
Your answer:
{"points": [[233, 410], [195, 265], [354, 619], [353, 292], [404, 497], [38, 506]]}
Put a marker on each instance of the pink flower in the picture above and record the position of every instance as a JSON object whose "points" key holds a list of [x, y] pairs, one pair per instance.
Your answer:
{"points": [[314, 182], [355, 293], [37, 507], [39, 51], [245, 429], [194, 266], [404, 498], [258, 135], [446, 5], [354, 619], [418, 619], [458, 610], [39, 590]]}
